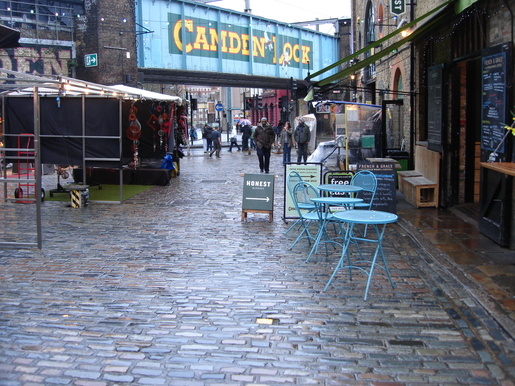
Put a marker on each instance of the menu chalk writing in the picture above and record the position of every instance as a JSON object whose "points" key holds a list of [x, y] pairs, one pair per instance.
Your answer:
{"points": [[493, 102], [385, 197]]}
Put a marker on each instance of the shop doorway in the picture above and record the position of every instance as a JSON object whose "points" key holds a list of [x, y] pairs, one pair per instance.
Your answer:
{"points": [[465, 168], [393, 136]]}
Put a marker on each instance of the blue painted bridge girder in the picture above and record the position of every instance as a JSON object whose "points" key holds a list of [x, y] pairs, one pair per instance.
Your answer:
{"points": [[194, 42]]}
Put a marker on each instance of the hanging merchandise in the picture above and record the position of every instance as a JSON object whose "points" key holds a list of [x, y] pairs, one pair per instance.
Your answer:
{"points": [[166, 128], [153, 123], [133, 132], [182, 132], [160, 121]]}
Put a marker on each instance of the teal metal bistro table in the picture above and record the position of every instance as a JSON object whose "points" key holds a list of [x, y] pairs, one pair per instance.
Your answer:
{"points": [[378, 221], [325, 216], [339, 188]]}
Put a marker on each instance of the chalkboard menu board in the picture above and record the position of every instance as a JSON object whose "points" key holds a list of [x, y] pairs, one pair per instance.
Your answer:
{"points": [[385, 198], [434, 107], [493, 101]]}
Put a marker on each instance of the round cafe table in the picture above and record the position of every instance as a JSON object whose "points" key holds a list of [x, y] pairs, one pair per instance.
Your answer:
{"points": [[378, 221], [323, 208], [339, 188]]}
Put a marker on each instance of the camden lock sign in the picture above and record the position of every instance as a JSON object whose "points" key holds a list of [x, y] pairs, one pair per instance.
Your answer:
{"points": [[203, 38]]}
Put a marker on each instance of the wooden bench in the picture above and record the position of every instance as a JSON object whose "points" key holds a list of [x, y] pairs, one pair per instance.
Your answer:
{"points": [[406, 174], [420, 192]]}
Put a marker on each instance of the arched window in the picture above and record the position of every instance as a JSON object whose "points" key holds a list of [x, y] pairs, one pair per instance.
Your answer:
{"points": [[398, 84], [370, 27], [370, 37]]}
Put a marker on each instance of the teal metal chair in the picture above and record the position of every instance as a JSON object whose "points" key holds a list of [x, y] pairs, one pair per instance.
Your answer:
{"points": [[368, 181], [292, 179], [301, 196], [325, 217]]}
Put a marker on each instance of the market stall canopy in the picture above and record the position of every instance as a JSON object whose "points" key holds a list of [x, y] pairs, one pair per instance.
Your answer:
{"points": [[9, 37], [22, 84], [145, 94]]}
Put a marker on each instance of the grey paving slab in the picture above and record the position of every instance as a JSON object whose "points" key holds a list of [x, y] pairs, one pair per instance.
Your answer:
{"points": [[172, 288]]}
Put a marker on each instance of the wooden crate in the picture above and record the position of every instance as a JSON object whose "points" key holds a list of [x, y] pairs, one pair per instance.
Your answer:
{"points": [[421, 192], [406, 174]]}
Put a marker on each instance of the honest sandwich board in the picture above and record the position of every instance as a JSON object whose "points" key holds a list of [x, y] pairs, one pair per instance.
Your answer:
{"points": [[258, 195]]}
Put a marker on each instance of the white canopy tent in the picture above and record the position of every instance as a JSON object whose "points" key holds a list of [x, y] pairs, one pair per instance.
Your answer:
{"points": [[36, 87], [17, 83]]}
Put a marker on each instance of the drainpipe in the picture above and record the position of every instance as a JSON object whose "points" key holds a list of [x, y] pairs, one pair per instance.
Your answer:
{"points": [[412, 96]]}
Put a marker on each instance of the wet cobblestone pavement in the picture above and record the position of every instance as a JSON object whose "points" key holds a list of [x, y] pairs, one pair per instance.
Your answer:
{"points": [[172, 288]]}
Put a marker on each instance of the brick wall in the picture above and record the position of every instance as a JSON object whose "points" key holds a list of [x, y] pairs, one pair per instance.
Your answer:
{"points": [[109, 30]]}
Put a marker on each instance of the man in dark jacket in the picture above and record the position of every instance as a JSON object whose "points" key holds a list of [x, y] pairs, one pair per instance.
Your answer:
{"points": [[207, 133], [246, 132], [302, 135], [216, 138], [264, 137]]}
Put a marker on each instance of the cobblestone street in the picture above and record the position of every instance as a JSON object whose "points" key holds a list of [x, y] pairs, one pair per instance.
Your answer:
{"points": [[172, 288]]}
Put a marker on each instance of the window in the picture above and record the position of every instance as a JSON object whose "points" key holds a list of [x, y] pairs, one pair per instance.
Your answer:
{"points": [[370, 37], [398, 84]]}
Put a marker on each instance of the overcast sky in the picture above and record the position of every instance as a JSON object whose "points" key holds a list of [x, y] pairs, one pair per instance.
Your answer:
{"points": [[290, 11]]}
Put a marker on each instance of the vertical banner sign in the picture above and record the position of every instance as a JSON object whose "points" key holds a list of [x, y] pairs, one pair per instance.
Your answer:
{"points": [[493, 101], [258, 192], [385, 197], [309, 172]]}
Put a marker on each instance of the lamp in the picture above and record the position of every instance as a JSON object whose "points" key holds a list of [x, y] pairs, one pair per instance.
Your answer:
{"points": [[401, 23]]}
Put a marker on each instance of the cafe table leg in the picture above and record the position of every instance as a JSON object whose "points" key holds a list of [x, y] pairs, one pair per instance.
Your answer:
{"points": [[322, 233], [349, 237]]}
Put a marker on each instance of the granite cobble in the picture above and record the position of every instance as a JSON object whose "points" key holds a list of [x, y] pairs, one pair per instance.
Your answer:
{"points": [[172, 288]]}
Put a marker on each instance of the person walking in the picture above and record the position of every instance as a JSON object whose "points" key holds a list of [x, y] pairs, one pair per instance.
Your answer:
{"points": [[252, 143], [286, 141], [234, 142], [302, 136], [193, 135], [217, 142], [264, 137], [246, 133], [207, 133]]}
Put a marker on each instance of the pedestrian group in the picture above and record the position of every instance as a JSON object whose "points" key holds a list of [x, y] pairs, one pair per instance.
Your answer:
{"points": [[262, 138]]}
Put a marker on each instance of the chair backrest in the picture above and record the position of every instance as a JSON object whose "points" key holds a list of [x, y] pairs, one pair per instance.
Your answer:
{"points": [[302, 194], [368, 181], [292, 179]]}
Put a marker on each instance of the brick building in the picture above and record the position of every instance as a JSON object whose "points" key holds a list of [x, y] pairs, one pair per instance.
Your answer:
{"points": [[108, 30], [429, 61], [47, 36]]}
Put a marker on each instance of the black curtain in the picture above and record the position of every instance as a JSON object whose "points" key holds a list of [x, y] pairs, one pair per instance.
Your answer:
{"points": [[62, 118]]}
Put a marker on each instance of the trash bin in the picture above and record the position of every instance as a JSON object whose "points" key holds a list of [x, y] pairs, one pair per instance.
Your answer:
{"points": [[402, 157]]}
